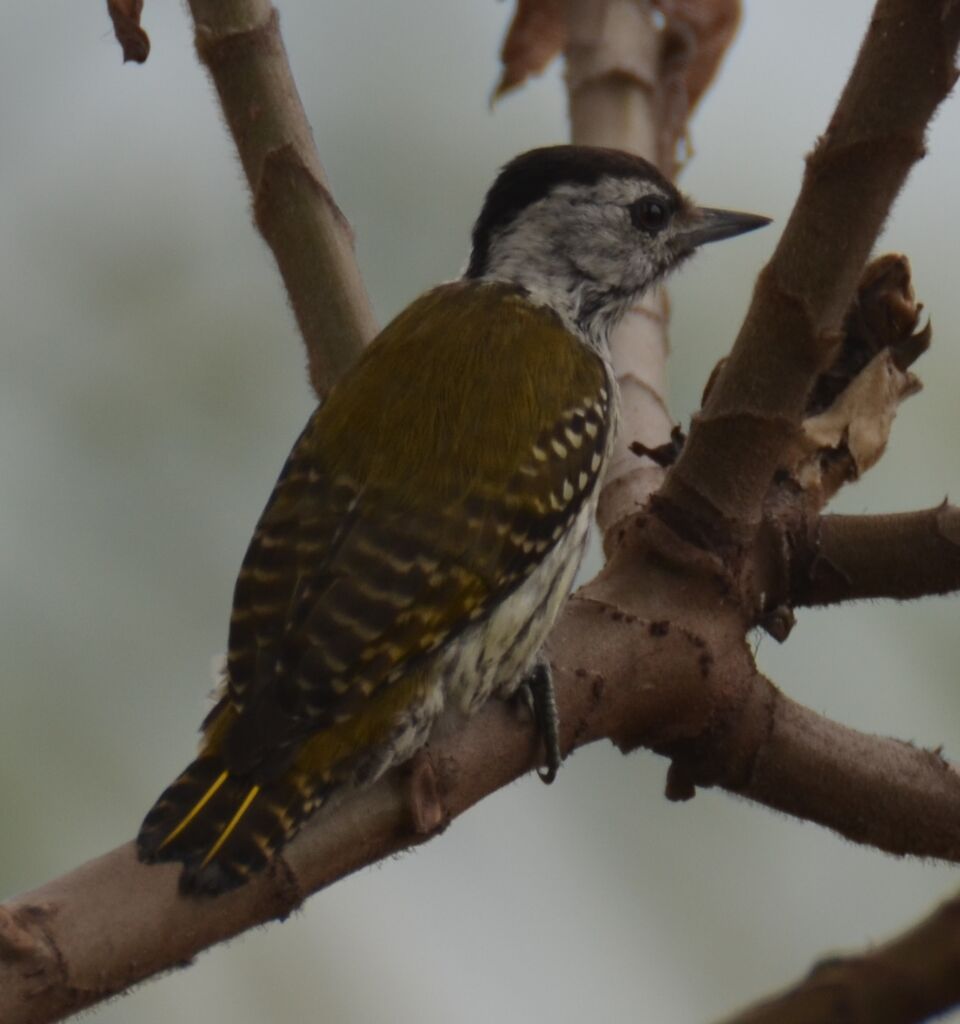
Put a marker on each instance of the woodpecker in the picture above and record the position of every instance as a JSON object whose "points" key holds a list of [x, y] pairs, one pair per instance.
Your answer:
{"points": [[430, 519]]}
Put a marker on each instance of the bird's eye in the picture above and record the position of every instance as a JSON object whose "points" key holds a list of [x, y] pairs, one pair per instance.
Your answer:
{"points": [[650, 214]]}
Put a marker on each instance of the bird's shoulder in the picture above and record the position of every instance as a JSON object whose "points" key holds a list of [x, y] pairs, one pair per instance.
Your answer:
{"points": [[455, 390]]}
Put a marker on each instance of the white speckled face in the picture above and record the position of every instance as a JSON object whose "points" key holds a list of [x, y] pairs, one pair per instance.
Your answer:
{"points": [[586, 231], [590, 251], [601, 236]]}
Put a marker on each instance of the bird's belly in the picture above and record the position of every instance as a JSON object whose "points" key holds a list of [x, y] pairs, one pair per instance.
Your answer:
{"points": [[494, 656]]}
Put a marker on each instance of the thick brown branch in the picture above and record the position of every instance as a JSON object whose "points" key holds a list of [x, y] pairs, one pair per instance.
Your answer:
{"points": [[240, 44], [904, 70], [849, 558], [912, 978], [685, 687]]}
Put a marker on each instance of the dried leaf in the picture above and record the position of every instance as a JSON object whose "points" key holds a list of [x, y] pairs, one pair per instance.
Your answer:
{"points": [[852, 405], [854, 431], [125, 15], [536, 35], [696, 35], [664, 455], [884, 314]]}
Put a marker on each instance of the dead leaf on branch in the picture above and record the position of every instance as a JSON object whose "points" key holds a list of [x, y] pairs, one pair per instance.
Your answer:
{"points": [[536, 35], [858, 423], [696, 34], [884, 314], [853, 405], [125, 15], [694, 39]]}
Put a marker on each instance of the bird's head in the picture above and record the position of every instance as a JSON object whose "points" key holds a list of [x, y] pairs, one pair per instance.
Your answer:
{"points": [[587, 231]]}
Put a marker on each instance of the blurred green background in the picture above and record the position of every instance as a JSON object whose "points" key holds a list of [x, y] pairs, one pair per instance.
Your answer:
{"points": [[151, 383]]}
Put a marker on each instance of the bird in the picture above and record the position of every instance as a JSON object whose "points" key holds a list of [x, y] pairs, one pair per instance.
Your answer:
{"points": [[428, 523]]}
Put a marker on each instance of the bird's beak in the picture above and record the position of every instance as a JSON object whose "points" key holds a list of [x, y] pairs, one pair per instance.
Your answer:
{"points": [[706, 225]]}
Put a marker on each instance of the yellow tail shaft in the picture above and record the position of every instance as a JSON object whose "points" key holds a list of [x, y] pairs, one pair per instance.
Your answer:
{"points": [[196, 809], [223, 827], [234, 821]]}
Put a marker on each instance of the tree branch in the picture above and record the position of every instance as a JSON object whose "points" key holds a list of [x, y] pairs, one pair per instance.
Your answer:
{"points": [[612, 76], [239, 42], [904, 70], [852, 558], [912, 978], [667, 683]]}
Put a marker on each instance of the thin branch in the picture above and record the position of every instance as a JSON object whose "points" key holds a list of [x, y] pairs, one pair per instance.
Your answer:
{"points": [[240, 44], [612, 77], [914, 977], [625, 84], [850, 558], [874, 790], [632, 86], [904, 70]]}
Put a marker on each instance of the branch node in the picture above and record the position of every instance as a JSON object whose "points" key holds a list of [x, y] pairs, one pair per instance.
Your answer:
{"points": [[778, 622], [26, 941], [680, 785], [18, 941], [664, 455], [215, 46], [428, 815], [289, 892], [283, 172]]}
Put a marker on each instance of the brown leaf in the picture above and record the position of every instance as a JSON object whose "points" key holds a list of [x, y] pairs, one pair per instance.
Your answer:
{"points": [[125, 15], [884, 314], [536, 35], [696, 35], [847, 439]]}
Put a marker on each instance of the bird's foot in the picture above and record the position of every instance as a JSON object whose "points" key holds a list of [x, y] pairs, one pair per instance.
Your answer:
{"points": [[536, 691]]}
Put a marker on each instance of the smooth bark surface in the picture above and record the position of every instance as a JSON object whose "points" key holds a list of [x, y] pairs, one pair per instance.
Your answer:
{"points": [[239, 43]]}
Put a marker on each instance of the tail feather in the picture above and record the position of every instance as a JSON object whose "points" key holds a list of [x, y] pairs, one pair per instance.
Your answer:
{"points": [[223, 827]]}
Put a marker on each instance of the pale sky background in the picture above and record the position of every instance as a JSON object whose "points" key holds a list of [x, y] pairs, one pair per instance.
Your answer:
{"points": [[151, 383]]}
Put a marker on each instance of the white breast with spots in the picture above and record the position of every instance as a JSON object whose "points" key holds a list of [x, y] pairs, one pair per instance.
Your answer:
{"points": [[494, 656]]}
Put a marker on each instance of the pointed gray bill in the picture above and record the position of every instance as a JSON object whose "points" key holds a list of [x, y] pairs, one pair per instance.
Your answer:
{"points": [[706, 225]]}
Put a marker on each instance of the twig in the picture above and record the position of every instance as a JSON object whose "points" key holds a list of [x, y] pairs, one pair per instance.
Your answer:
{"points": [[239, 42], [850, 558], [912, 978]]}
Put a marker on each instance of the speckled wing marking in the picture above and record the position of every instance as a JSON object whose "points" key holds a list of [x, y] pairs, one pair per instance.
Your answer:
{"points": [[551, 485], [330, 606], [300, 530], [340, 595]]}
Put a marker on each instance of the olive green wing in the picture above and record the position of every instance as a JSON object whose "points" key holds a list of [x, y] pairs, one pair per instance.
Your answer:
{"points": [[399, 521]]}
